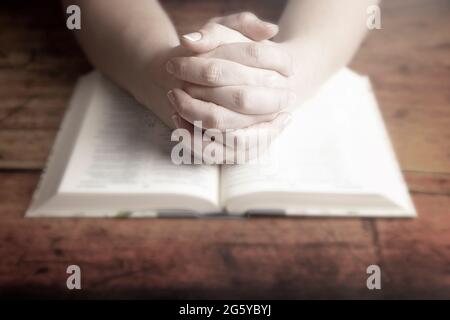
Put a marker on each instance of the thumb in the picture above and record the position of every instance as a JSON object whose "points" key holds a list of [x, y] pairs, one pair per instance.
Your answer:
{"points": [[211, 36], [240, 27], [249, 25]]}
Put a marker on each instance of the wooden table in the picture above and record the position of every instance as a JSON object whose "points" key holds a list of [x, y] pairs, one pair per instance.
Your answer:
{"points": [[409, 63]]}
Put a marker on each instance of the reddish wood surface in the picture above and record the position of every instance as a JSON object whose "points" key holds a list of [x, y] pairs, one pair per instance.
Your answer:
{"points": [[409, 63]]}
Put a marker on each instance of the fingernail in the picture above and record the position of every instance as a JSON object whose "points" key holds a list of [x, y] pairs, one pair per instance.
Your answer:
{"points": [[270, 25], [195, 36], [171, 97], [170, 67], [176, 120]]}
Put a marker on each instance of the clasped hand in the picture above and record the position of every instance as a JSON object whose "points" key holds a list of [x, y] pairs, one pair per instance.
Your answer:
{"points": [[235, 78]]}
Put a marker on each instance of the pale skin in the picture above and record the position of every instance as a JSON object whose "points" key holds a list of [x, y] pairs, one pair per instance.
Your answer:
{"points": [[228, 74]]}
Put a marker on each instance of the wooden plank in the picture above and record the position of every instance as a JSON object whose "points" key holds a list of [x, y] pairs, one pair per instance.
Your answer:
{"points": [[176, 258], [42, 113], [258, 258], [409, 64], [415, 255], [426, 183], [25, 149], [182, 258], [16, 190]]}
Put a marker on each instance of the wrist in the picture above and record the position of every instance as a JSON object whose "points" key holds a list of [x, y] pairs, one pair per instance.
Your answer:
{"points": [[152, 82], [309, 64], [152, 71]]}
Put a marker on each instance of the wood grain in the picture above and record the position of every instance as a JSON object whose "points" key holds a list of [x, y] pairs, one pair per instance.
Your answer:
{"points": [[409, 64], [256, 258]]}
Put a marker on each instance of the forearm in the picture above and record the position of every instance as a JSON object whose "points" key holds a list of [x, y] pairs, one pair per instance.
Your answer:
{"points": [[326, 33], [124, 39]]}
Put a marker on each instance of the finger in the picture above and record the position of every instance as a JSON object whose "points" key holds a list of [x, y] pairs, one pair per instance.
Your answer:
{"points": [[221, 154], [237, 146], [258, 55], [249, 25], [258, 136], [273, 127], [209, 115], [218, 72], [211, 36], [245, 99]]}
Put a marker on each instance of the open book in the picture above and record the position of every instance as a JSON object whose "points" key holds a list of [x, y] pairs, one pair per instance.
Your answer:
{"points": [[112, 158]]}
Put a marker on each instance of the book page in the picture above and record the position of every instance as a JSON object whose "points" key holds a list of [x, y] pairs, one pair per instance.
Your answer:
{"points": [[312, 155], [377, 164], [335, 158], [123, 149]]}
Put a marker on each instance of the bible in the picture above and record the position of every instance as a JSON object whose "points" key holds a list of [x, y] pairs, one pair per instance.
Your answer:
{"points": [[112, 158]]}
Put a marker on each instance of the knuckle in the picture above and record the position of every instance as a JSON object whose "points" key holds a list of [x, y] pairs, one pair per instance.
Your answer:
{"points": [[246, 17], [253, 51], [211, 27], [181, 66], [212, 73], [241, 99], [244, 21]]}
